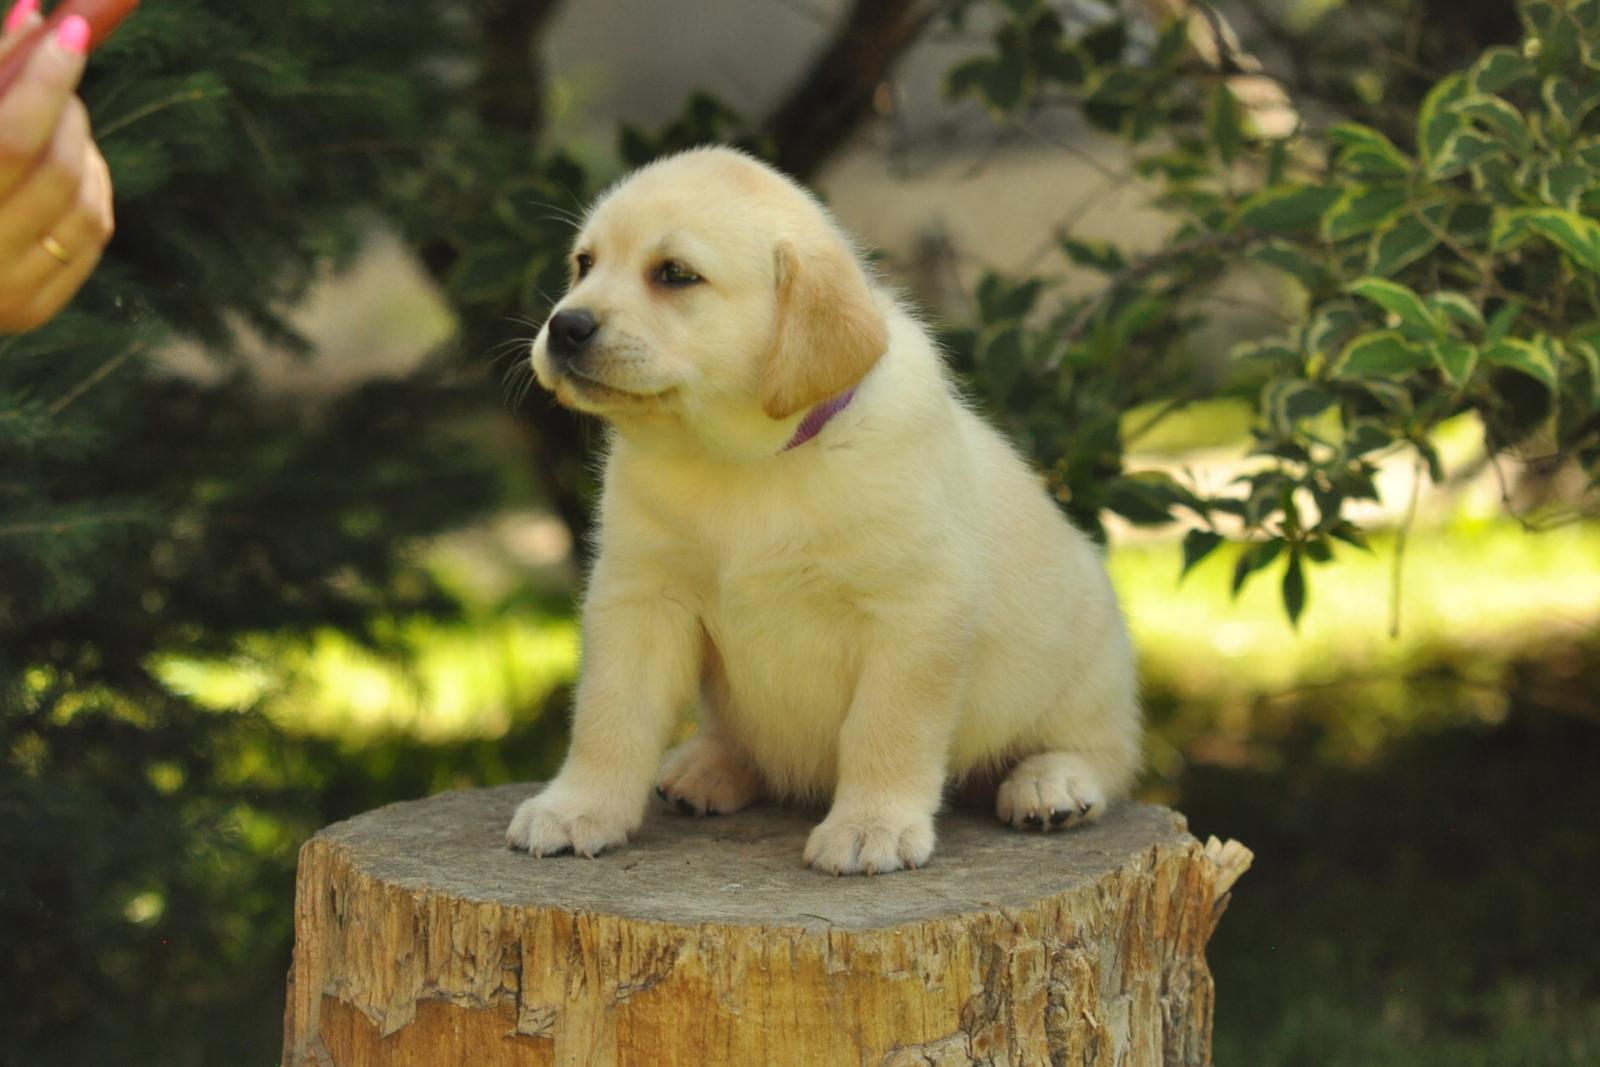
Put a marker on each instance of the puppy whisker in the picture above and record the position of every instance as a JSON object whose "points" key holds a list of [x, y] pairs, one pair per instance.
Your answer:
{"points": [[514, 346]]}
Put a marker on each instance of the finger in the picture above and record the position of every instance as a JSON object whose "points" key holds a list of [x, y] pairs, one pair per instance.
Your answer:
{"points": [[80, 232], [32, 107], [22, 17], [99, 198], [62, 288], [40, 284], [50, 188], [67, 247]]}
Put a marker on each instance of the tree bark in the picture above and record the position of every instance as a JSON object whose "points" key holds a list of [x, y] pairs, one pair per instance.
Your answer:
{"points": [[421, 940], [836, 94]]}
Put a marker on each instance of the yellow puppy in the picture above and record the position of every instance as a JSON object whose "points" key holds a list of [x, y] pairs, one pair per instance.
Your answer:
{"points": [[803, 524]]}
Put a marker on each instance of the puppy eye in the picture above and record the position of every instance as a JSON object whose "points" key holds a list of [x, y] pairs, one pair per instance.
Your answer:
{"points": [[585, 263], [676, 274]]}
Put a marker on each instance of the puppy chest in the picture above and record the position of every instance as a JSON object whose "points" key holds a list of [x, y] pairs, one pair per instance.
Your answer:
{"points": [[787, 650], [776, 625]]}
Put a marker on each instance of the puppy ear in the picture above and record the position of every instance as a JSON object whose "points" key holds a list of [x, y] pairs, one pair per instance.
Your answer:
{"points": [[829, 331]]}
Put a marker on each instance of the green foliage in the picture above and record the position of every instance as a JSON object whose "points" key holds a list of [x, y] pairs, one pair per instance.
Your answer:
{"points": [[1459, 275], [148, 842]]}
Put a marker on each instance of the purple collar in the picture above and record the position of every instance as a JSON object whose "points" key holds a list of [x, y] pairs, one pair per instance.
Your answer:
{"points": [[817, 418]]}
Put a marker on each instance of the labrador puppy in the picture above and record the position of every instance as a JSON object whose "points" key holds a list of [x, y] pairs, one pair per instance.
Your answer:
{"points": [[806, 527]]}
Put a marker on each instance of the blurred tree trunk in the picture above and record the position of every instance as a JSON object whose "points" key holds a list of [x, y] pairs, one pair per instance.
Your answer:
{"points": [[513, 81], [836, 94]]}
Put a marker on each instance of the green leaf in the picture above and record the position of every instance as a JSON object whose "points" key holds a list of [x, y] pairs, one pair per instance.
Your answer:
{"points": [[1462, 149], [1292, 260], [1574, 234], [1277, 161], [1456, 359], [1366, 153], [1501, 118], [1392, 395], [1365, 435], [1435, 122], [1510, 229], [1330, 326], [997, 299], [1501, 321], [1517, 354], [1222, 124], [1468, 223], [1381, 354], [999, 354], [1105, 42], [1141, 499], [967, 77], [1350, 534], [1361, 210], [1286, 401], [1499, 68], [1176, 166], [1415, 318], [1197, 545], [1563, 184], [1272, 354], [1408, 239], [1446, 303], [1286, 209], [1258, 555], [1430, 457], [1063, 63], [1172, 45], [1100, 255], [998, 81], [1569, 102], [1294, 588], [1588, 353]]}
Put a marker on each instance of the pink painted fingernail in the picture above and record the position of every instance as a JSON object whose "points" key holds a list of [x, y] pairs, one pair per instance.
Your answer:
{"points": [[74, 34], [24, 10]]}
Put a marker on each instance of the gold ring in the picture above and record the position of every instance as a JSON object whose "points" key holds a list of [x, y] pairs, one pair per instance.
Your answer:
{"points": [[56, 249]]}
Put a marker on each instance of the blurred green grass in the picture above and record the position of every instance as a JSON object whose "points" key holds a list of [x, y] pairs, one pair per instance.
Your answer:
{"points": [[432, 680], [1471, 581]]}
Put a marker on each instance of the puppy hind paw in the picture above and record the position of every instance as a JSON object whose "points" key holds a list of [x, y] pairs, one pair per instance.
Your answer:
{"points": [[704, 776], [1050, 791]]}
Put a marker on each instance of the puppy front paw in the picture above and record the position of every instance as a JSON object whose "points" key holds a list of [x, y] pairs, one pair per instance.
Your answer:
{"points": [[1050, 791], [704, 776], [566, 819], [857, 839]]}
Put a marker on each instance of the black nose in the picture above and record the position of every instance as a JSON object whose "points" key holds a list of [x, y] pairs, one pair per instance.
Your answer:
{"points": [[570, 333]]}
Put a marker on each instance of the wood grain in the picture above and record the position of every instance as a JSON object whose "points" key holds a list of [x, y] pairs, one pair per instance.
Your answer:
{"points": [[421, 940]]}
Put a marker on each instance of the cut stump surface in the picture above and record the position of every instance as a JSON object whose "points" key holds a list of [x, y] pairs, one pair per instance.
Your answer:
{"points": [[420, 939]]}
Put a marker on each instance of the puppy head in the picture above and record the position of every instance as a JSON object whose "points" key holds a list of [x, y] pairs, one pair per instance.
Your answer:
{"points": [[710, 291]]}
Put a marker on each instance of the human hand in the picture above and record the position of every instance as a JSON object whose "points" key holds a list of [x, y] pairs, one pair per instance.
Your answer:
{"points": [[55, 189]]}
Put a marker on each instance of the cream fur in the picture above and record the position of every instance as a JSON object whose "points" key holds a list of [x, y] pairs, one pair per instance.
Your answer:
{"points": [[892, 606]]}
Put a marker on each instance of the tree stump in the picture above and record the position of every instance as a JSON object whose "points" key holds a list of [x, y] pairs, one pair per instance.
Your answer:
{"points": [[422, 941]]}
